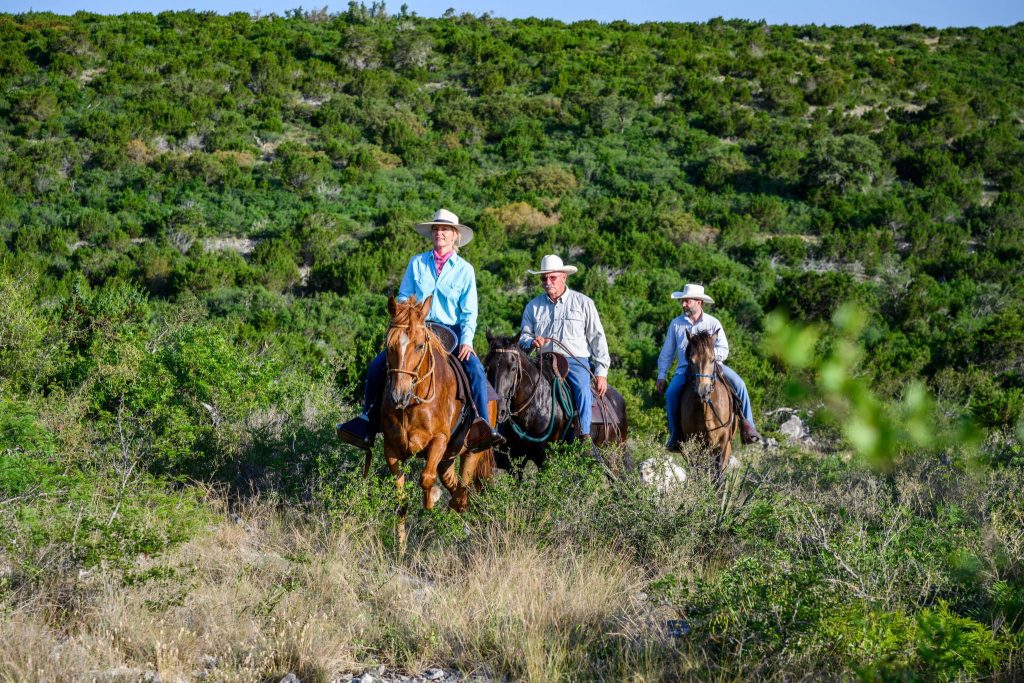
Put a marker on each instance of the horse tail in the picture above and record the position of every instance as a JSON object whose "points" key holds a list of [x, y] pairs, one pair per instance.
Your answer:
{"points": [[486, 466]]}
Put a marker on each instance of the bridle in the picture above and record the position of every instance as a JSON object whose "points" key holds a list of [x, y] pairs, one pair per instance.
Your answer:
{"points": [[714, 378], [418, 378], [517, 376]]}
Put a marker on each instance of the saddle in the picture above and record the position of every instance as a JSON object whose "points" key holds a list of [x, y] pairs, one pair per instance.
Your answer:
{"points": [[463, 390], [556, 365]]}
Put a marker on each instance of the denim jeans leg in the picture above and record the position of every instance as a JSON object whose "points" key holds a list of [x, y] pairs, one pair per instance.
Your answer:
{"points": [[740, 387], [673, 395], [582, 395]]}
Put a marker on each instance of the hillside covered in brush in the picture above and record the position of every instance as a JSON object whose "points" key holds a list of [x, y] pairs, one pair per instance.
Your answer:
{"points": [[202, 217]]}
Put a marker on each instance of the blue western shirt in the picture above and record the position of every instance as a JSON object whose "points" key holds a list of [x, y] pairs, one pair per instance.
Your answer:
{"points": [[676, 342], [454, 291]]}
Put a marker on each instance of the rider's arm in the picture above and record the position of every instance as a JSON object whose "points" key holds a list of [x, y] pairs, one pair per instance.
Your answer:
{"points": [[668, 352], [526, 328], [408, 286], [468, 308], [721, 345], [597, 343]]}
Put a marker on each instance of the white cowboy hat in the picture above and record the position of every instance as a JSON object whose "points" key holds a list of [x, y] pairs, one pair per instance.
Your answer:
{"points": [[693, 292], [553, 264], [447, 218]]}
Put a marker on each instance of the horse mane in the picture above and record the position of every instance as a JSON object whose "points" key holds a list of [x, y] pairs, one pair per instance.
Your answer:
{"points": [[502, 342], [701, 342], [404, 315]]}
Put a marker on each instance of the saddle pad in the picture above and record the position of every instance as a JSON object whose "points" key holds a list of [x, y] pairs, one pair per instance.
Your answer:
{"points": [[597, 416], [463, 382]]}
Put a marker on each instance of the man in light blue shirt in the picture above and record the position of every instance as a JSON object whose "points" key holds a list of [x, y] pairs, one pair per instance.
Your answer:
{"points": [[694, 320], [451, 280]]}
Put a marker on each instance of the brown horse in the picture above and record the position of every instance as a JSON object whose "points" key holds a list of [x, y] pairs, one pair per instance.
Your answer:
{"points": [[707, 413], [420, 412]]}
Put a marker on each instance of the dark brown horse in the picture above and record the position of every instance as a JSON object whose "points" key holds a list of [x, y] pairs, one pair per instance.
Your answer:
{"points": [[420, 412], [533, 410], [706, 410]]}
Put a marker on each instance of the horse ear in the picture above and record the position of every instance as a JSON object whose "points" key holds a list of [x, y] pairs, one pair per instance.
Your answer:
{"points": [[425, 307], [515, 339], [688, 336], [392, 306]]}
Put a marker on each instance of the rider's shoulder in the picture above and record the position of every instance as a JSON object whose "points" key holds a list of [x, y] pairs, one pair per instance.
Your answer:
{"points": [[579, 296]]}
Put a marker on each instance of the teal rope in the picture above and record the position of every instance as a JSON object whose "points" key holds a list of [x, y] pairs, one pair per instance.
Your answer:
{"points": [[561, 394]]}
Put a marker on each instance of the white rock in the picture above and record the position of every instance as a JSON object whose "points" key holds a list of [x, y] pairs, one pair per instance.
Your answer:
{"points": [[793, 428], [663, 475]]}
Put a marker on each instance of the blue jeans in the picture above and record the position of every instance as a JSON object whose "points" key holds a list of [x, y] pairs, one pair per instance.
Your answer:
{"points": [[582, 396], [376, 378], [675, 390]]}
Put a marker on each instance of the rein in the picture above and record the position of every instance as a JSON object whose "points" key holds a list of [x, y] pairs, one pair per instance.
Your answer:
{"points": [[606, 412], [559, 393], [419, 378], [714, 380]]}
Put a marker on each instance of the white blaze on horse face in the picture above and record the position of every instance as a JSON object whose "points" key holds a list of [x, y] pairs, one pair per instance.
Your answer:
{"points": [[401, 383]]}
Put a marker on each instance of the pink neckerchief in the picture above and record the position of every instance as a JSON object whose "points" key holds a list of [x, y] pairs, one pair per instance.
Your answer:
{"points": [[439, 261]]}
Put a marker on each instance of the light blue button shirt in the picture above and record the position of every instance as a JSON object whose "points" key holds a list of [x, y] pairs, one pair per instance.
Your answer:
{"points": [[676, 342], [454, 291]]}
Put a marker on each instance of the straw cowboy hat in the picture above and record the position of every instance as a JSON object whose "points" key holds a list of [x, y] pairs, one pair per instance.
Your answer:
{"points": [[693, 292], [553, 264], [448, 219]]}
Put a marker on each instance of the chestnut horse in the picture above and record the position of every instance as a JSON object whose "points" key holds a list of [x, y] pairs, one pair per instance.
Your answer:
{"points": [[420, 411], [707, 413]]}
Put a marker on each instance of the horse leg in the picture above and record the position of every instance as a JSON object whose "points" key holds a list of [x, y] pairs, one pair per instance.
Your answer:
{"points": [[476, 468], [726, 452], [468, 467], [435, 454], [395, 465], [454, 483]]}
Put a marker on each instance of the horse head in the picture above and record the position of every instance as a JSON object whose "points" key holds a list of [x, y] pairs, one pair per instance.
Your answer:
{"points": [[700, 358], [409, 347], [504, 366]]}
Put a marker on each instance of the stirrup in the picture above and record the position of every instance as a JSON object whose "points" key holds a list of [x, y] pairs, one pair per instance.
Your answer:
{"points": [[356, 432]]}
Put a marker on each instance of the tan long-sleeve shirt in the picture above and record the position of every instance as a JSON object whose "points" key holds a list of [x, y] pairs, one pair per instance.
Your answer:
{"points": [[572, 320]]}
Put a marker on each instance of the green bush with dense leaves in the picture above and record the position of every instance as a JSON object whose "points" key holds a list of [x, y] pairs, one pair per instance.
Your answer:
{"points": [[202, 217]]}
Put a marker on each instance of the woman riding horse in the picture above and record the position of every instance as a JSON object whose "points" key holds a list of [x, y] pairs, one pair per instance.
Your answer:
{"points": [[450, 282], [420, 412]]}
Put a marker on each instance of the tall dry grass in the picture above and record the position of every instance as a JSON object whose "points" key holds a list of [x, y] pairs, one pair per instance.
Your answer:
{"points": [[279, 592]]}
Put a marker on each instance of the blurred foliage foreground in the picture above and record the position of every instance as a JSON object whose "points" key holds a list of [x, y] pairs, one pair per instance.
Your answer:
{"points": [[201, 218]]}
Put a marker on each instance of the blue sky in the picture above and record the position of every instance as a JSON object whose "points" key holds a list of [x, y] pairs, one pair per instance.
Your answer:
{"points": [[940, 13]]}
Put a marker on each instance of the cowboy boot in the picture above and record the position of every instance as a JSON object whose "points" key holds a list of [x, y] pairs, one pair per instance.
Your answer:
{"points": [[588, 446], [481, 437], [357, 432], [749, 433]]}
